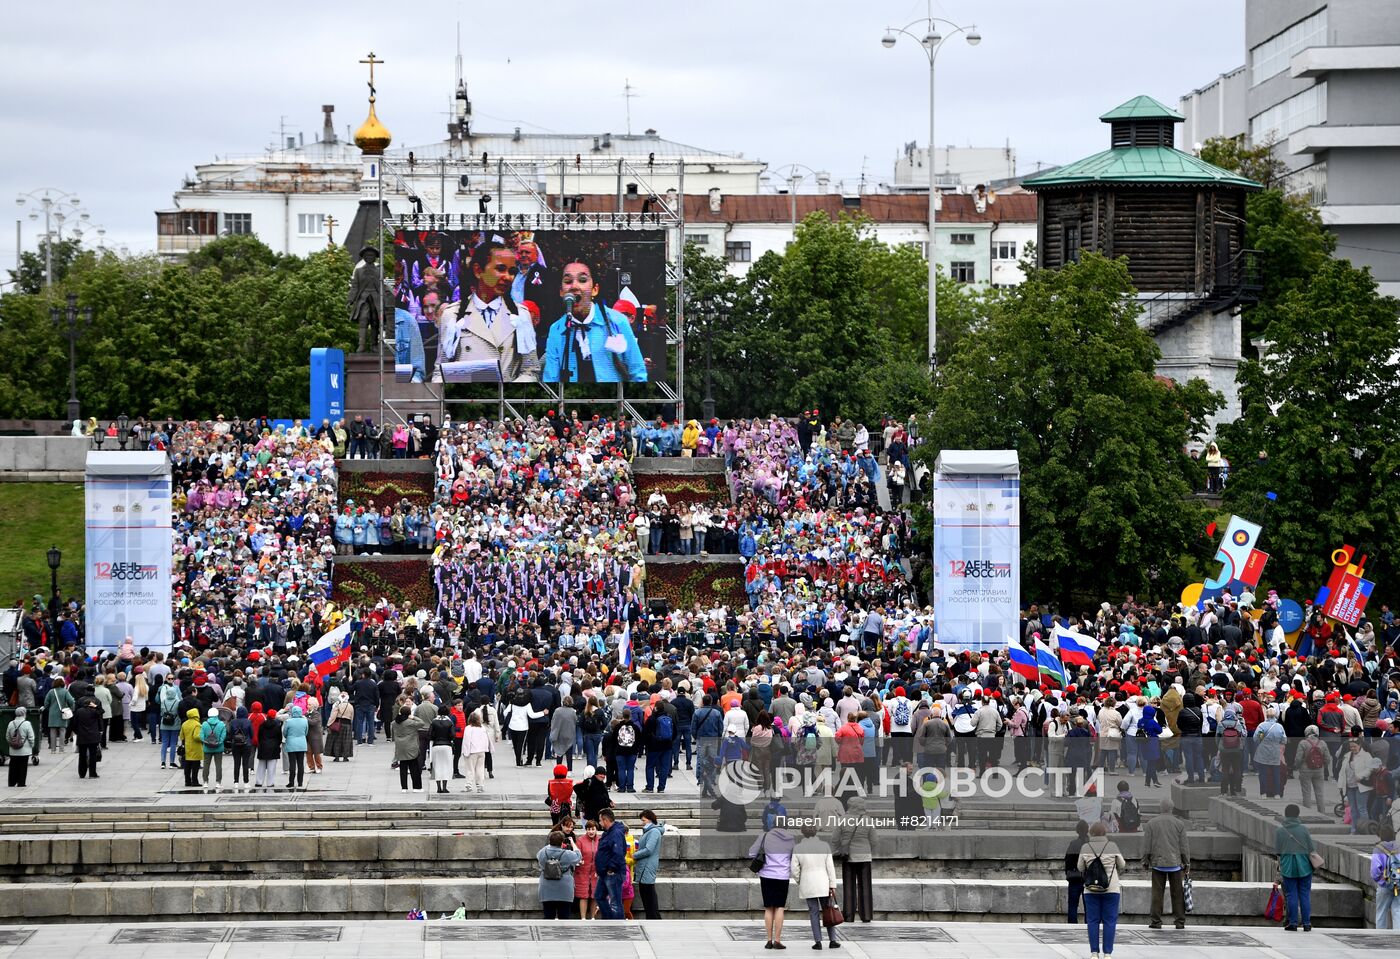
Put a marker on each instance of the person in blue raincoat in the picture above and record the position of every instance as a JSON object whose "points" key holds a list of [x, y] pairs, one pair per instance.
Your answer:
{"points": [[590, 343]]}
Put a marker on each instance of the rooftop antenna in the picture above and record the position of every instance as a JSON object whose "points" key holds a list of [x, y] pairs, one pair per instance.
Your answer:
{"points": [[628, 92]]}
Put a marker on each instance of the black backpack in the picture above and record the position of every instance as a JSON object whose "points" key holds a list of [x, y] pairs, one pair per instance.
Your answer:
{"points": [[1096, 877], [553, 869], [1130, 819]]}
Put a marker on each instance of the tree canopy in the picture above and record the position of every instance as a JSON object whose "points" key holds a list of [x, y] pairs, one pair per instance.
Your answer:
{"points": [[230, 330], [1061, 373], [1323, 407]]}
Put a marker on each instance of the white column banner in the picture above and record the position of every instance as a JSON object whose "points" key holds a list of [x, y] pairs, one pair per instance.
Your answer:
{"points": [[976, 548], [128, 549]]}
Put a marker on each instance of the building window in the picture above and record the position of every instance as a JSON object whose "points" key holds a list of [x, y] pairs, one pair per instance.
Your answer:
{"points": [[738, 252], [699, 239], [1309, 182], [1272, 57], [187, 223], [1004, 250], [963, 271], [1306, 109], [962, 238], [1071, 247], [238, 224], [311, 224]]}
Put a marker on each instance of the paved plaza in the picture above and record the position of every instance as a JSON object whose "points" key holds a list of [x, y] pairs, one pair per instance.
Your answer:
{"points": [[645, 940]]}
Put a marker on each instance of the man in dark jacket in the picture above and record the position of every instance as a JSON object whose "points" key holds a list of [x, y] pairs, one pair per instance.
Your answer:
{"points": [[364, 696], [660, 732], [610, 862], [708, 726], [542, 698], [87, 730], [685, 715]]}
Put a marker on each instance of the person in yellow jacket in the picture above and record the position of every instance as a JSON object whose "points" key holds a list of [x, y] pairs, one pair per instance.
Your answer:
{"points": [[690, 438], [193, 745]]}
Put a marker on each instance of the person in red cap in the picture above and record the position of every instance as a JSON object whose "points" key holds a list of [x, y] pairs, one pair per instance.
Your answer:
{"points": [[559, 794]]}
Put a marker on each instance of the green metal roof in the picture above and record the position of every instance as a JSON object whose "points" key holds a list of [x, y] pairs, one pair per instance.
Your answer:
{"points": [[1147, 165], [1142, 108]]}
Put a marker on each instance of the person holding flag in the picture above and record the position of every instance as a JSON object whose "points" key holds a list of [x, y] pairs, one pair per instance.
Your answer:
{"points": [[333, 649], [1076, 649]]}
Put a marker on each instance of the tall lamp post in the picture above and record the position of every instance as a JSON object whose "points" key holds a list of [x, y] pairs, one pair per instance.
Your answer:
{"points": [[122, 423], [932, 41], [57, 207], [55, 558], [713, 308], [79, 321], [794, 180]]}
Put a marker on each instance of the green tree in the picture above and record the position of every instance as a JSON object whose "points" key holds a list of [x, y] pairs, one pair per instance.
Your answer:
{"points": [[1324, 405], [1061, 373], [31, 272], [1259, 163]]}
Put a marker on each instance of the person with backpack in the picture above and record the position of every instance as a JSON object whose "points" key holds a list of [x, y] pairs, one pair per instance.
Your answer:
{"points": [[1100, 864], [660, 729], [168, 702], [557, 864], [622, 743], [19, 736], [1231, 751], [192, 746], [1385, 873], [1295, 850], [1126, 814], [212, 734], [240, 746], [1311, 760], [559, 795]]}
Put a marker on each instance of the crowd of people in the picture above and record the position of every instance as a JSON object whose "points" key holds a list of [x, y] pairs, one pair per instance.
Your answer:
{"points": [[540, 637]]}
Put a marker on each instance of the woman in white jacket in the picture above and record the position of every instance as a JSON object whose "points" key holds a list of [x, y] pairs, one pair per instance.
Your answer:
{"points": [[814, 872], [476, 746]]}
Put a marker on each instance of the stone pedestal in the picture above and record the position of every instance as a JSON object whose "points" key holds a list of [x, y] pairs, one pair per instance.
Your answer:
{"points": [[362, 391]]}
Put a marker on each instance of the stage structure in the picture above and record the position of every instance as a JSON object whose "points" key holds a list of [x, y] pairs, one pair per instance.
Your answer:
{"points": [[439, 335]]}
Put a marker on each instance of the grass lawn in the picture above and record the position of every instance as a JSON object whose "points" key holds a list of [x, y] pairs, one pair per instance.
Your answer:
{"points": [[33, 517]]}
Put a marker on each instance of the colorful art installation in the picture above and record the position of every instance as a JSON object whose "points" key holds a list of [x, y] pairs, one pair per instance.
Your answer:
{"points": [[1241, 564], [1345, 596]]}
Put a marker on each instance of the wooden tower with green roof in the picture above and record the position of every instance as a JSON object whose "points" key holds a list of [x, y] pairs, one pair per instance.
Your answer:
{"points": [[1180, 223]]}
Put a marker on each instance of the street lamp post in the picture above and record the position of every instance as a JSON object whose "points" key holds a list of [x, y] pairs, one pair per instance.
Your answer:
{"points": [[78, 322], [55, 558], [794, 180], [932, 41], [57, 206], [122, 423]]}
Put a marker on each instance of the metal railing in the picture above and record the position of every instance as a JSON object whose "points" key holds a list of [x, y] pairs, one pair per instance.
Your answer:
{"points": [[1236, 281]]}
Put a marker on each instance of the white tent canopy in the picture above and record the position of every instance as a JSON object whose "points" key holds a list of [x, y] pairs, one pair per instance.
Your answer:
{"points": [[978, 463]]}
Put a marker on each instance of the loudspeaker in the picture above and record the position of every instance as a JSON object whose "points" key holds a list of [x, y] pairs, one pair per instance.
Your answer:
{"points": [[659, 607]]}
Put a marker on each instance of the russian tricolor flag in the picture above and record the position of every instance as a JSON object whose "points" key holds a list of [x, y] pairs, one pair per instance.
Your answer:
{"points": [[1048, 662], [1022, 662], [1076, 649], [332, 650]]}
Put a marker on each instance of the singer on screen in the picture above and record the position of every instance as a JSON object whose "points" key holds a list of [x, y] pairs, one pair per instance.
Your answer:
{"points": [[590, 343]]}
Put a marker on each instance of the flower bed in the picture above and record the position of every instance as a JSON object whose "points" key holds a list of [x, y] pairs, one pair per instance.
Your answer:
{"points": [[685, 584], [684, 488], [408, 584], [386, 488]]}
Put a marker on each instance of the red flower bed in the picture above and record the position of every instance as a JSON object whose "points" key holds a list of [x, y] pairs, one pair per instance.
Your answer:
{"points": [[386, 488], [685, 584], [683, 488], [408, 584]]}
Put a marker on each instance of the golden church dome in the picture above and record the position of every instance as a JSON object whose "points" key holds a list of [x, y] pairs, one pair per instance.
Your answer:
{"points": [[373, 138]]}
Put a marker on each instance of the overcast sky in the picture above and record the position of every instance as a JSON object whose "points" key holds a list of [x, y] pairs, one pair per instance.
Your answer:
{"points": [[116, 102]]}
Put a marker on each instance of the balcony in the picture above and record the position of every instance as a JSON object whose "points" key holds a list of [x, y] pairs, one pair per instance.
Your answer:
{"points": [[1318, 139], [1319, 61]]}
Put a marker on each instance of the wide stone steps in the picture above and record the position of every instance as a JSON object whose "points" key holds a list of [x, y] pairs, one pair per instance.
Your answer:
{"points": [[312, 853], [501, 897]]}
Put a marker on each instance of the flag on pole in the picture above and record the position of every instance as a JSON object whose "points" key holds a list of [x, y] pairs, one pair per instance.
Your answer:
{"points": [[1022, 662], [332, 650], [624, 647], [1356, 649], [1049, 664], [1076, 649]]}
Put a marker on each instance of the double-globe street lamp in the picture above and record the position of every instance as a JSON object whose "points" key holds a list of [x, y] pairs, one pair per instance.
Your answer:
{"points": [[931, 41]]}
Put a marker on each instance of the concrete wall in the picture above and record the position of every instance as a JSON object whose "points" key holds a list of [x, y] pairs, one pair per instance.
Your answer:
{"points": [[43, 453]]}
